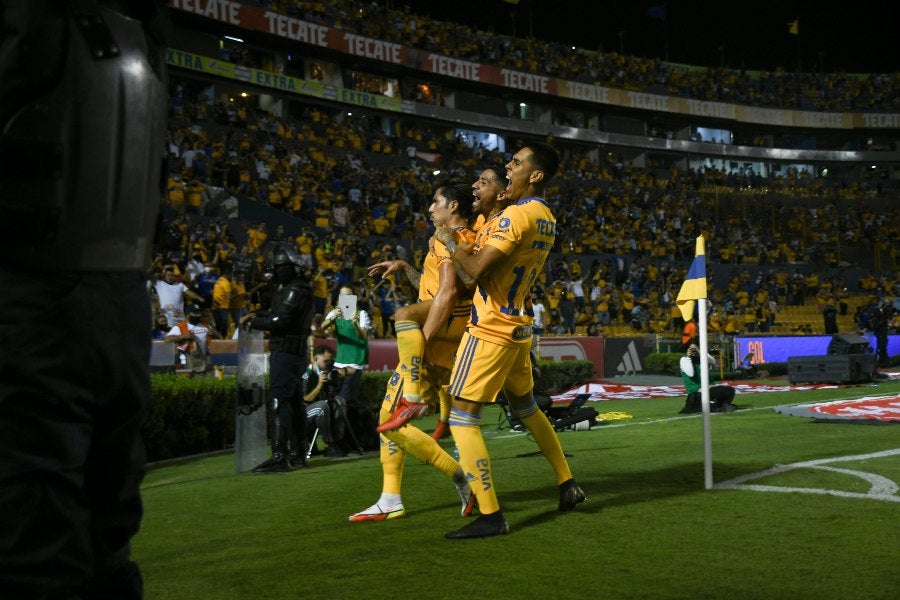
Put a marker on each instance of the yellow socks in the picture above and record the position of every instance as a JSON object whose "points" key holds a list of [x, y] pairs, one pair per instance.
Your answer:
{"points": [[546, 438], [410, 347], [422, 447], [474, 459]]}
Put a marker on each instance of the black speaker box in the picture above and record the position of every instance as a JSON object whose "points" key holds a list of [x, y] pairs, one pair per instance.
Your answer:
{"points": [[842, 368], [847, 343]]}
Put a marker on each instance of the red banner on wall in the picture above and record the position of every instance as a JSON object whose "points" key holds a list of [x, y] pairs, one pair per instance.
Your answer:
{"points": [[256, 18]]}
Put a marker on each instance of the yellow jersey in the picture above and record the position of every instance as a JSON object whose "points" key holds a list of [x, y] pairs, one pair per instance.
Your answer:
{"points": [[437, 255], [442, 349], [525, 233]]}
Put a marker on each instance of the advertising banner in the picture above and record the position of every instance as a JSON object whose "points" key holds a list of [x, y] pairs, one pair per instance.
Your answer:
{"points": [[779, 349]]}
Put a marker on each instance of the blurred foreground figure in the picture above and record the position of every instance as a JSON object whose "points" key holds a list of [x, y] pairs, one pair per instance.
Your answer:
{"points": [[82, 125]]}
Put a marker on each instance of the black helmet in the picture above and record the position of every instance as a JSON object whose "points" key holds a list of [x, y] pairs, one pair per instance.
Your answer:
{"points": [[286, 263]]}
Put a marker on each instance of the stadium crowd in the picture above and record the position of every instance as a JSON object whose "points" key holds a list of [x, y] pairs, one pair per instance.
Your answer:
{"points": [[348, 195], [781, 89]]}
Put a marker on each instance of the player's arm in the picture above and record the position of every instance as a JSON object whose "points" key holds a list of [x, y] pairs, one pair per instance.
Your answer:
{"points": [[389, 266], [446, 236], [446, 298], [476, 265]]}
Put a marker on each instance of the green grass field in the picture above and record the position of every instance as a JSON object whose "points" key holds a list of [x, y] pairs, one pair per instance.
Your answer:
{"points": [[649, 529]]}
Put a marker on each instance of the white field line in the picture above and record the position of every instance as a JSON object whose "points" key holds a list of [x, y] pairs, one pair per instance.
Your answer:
{"points": [[881, 487]]}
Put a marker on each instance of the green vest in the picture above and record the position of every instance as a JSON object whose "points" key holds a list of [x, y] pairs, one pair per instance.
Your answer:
{"points": [[351, 348]]}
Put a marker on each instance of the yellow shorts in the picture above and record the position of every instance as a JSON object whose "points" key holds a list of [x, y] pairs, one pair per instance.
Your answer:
{"points": [[431, 387], [482, 368], [442, 348]]}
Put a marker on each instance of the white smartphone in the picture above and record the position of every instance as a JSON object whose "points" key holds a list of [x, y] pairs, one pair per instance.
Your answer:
{"points": [[347, 304]]}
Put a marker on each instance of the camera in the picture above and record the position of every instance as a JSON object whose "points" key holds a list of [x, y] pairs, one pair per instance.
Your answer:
{"points": [[331, 376], [694, 354]]}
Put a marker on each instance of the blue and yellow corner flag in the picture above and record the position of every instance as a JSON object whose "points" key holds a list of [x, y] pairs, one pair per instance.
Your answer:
{"points": [[694, 286], [794, 27]]}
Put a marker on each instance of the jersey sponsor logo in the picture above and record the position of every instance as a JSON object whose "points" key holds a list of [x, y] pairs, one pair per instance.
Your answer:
{"points": [[546, 228], [503, 223], [522, 333]]}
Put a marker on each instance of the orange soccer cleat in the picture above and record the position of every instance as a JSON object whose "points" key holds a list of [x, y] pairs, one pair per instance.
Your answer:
{"points": [[405, 412]]}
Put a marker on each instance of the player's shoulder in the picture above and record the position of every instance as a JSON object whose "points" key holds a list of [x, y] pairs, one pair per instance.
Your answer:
{"points": [[530, 208], [464, 234]]}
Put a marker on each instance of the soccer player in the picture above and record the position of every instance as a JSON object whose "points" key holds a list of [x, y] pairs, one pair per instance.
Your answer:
{"points": [[421, 322], [505, 260], [444, 308]]}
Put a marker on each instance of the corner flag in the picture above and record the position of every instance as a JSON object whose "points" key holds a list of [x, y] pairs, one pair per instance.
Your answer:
{"points": [[694, 286], [692, 290], [794, 27]]}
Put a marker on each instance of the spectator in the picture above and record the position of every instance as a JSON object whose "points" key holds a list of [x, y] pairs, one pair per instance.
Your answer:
{"points": [[881, 318], [689, 335], [160, 328], [567, 311], [171, 293], [206, 283], [829, 315], [352, 334], [239, 303], [221, 303], [538, 309], [387, 297], [191, 337]]}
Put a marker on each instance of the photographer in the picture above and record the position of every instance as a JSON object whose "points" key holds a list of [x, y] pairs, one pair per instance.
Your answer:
{"points": [[324, 408], [720, 396]]}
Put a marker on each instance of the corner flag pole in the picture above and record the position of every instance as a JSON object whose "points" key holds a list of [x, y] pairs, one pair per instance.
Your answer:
{"points": [[691, 297], [704, 397]]}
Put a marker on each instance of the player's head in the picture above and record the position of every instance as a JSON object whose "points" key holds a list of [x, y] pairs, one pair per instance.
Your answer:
{"points": [[451, 197], [488, 188], [530, 169]]}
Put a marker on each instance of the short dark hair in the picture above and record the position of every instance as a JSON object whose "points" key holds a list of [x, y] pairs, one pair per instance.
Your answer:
{"points": [[322, 349], [545, 158], [499, 171]]}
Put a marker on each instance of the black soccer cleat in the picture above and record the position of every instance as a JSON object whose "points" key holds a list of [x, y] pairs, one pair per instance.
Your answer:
{"points": [[484, 526], [570, 495]]}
